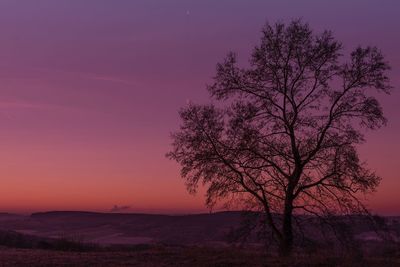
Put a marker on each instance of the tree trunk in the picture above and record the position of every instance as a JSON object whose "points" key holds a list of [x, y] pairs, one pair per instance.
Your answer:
{"points": [[286, 243]]}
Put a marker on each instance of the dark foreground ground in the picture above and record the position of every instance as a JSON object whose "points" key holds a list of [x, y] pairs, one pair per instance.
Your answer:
{"points": [[104, 239], [180, 256]]}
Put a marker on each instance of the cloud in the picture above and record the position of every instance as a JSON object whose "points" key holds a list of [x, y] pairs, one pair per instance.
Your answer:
{"points": [[9, 109], [18, 105], [87, 75], [117, 208], [111, 79], [22, 105]]}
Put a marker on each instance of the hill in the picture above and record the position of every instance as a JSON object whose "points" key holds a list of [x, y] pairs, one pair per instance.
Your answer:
{"points": [[123, 228], [212, 229]]}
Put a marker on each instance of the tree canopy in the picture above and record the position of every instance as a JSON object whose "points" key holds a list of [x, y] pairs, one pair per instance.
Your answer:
{"points": [[282, 133]]}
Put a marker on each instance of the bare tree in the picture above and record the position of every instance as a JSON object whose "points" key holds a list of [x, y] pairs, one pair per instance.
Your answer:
{"points": [[284, 135]]}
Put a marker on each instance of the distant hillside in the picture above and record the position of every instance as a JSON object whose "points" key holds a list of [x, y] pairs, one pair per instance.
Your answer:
{"points": [[123, 228], [4, 216]]}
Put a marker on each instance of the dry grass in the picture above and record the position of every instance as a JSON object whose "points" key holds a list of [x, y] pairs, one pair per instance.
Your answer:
{"points": [[180, 256]]}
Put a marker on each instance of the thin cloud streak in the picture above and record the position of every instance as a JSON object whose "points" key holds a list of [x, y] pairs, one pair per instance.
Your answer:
{"points": [[89, 76], [26, 105]]}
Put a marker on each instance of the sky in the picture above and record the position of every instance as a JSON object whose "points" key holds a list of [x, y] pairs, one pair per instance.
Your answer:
{"points": [[89, 93]]}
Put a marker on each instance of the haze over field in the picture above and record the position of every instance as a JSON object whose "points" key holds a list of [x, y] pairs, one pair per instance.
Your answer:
{"points": [[216, 229], [90, 91]]}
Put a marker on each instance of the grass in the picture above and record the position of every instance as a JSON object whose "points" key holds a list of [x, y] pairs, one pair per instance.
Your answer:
{"points": [[159, 255], [25, 250]]}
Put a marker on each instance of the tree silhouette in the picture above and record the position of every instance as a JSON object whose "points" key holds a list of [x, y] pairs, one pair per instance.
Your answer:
{"points": [[283, 136]]}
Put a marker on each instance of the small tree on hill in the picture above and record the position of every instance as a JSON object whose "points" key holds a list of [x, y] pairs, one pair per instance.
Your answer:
{"points": [[283, 136]]}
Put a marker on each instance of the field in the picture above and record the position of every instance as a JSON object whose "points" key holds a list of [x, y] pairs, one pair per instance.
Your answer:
{"points": [[96, 239], [178, 256]]}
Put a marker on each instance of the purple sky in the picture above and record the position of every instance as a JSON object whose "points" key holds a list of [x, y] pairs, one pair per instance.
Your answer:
{"points": [[90, 91]]}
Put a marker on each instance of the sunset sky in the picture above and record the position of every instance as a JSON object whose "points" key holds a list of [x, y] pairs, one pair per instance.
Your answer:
{"points": [[90, 91]]}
